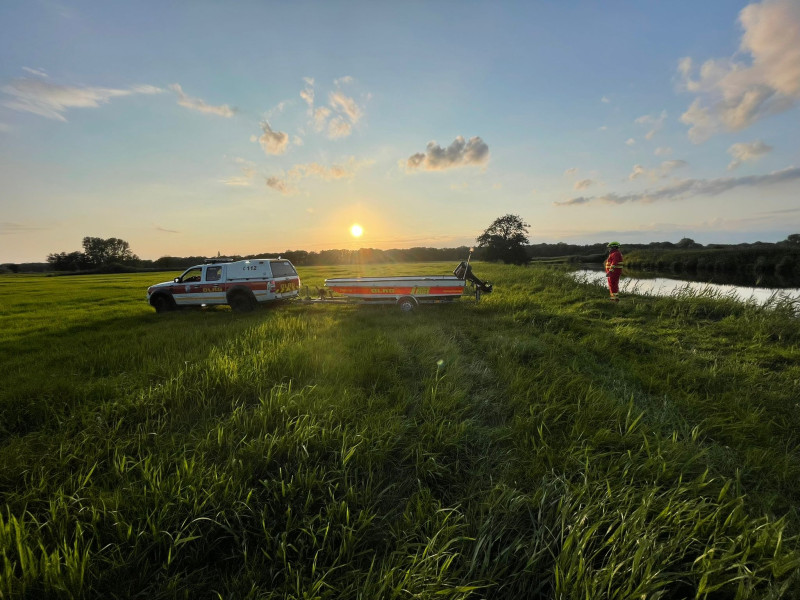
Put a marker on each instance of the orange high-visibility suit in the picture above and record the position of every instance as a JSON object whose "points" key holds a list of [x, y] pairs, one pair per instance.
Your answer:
{"points": [[614, 266]]}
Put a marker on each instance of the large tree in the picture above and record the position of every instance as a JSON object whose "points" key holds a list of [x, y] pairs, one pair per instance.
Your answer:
{"points": [[100, 252], [505, 240]]}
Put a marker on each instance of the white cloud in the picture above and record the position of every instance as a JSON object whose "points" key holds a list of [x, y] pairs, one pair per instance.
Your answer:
{"points": [[343, 80], [663, 151], [583, 184], [571, 171], [307, 94], [273, 142], [605, 100], [743, 152], [338, 128], [200, 105], [346, 105], [660, 172], [321, 117], [460, 153], [37, 72], [51, 100], [298, 172], [689, 188], [630, 142], [654, 123], [732, 95]]}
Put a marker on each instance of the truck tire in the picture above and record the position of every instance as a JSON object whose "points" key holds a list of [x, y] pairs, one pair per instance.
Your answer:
{"points": [[242, 301], [407, 304], [163, 303]]}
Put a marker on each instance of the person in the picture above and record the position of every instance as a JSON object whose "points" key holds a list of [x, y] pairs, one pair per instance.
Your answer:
{"points": [[614, 266]]}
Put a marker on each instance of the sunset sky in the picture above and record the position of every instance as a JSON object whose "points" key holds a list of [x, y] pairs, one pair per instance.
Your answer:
{"points": [[191, 128]]}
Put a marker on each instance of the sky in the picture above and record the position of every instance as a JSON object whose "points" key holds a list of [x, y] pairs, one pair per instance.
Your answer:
{"points": [[195, 128]]}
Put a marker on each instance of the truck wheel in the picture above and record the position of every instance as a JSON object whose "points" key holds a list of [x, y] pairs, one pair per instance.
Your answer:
{"points": [[242, 302], [407, 304], [162, 303]]}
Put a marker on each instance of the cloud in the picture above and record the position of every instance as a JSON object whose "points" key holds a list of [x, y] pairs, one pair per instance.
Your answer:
{"points": [[659, 172], [200, 105], [655, 123], [460, 153], [273, 142], [732, 95], [663, 151], [583, 184], [307, 94], [342, 80], [279, 185], [605, 100], [689, 188], [37, 72], [298, 172], [338, 128], [51, 100], [321, 117], [165, 230], [743, 152], [11, 228], [346, 105], [571, 171], [630, 142]]}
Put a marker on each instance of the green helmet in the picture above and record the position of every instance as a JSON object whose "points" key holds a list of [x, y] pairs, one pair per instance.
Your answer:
{"points": [[613, 245]]}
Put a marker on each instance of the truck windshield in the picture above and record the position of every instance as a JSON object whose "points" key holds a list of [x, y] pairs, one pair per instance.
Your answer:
{"points": [[193, 274]]}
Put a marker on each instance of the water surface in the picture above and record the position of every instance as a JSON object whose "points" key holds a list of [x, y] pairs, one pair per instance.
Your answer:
{"points": [[666, 286]]}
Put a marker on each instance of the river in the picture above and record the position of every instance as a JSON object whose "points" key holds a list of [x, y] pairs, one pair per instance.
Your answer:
{"points": [[665, 286]]}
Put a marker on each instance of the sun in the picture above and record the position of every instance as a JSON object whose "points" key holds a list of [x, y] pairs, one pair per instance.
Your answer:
{"points": [[356, 230]]}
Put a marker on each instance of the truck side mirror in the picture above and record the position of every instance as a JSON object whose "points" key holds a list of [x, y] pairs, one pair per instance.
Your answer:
{"points": [[177, 280]]}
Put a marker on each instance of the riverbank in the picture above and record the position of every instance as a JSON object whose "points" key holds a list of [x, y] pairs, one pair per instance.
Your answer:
{"points": [[544, 442]]}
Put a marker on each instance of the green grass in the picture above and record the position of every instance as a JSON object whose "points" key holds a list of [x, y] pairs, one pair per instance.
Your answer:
{"points": [[544, 443]]}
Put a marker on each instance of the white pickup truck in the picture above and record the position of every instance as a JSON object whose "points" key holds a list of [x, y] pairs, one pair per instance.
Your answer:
{"points": [[241, 284]]}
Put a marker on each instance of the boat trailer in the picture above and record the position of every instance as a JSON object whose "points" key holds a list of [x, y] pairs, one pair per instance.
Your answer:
{"points": [[407, 292]]}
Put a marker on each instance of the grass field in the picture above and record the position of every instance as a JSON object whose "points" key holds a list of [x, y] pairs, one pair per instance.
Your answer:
{"points": [[544, 443]]}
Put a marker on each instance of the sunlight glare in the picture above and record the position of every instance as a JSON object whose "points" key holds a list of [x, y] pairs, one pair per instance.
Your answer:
{"points": [[356, 230]]}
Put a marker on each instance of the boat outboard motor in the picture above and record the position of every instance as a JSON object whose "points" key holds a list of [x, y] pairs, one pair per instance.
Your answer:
{"points": [[464, 271]]}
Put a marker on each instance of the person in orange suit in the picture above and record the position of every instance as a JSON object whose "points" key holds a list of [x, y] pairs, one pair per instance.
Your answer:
{"points": [[613, 266]]}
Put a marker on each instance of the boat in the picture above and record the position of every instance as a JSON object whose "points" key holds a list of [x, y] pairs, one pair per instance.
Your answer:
{"points": [[408, 290]]}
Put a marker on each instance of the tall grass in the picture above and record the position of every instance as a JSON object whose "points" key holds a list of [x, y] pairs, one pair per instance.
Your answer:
{"points": [[541, 444]]}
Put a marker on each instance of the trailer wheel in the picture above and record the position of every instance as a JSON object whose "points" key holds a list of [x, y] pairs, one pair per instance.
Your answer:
{"points": [[407, 304], [242, 302]]}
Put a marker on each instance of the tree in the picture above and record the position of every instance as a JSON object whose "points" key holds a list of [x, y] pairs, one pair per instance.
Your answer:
{"points": [[792, 240], [100, 252], [505, 240]]}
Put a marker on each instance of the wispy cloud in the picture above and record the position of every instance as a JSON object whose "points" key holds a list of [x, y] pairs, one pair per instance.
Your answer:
{"points": [[663, 151], [653, 123], [605, 100], [630, 142], [689, 188], [37, 72], [52, 100], [165, 230], [200, 105], [341, 114], [571, 171], [460, 153], [743, 152], [273, 142], [583, 184], [12, 228], [345, 170], [732, 94], [660, 172]]}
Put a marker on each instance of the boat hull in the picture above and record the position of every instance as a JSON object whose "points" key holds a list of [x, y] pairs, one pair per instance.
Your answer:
{"points": [[384, 288]]}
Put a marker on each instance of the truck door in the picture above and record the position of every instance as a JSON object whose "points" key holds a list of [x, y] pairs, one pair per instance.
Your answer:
{"points": [[199, 285], [285, 281]]}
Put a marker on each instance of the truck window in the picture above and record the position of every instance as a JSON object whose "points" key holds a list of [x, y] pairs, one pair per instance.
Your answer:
{"points": [[213, 273], [193, 274], [282, 269]]}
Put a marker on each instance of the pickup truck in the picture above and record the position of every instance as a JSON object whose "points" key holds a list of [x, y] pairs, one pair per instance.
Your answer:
{"points": [[242, 285]]}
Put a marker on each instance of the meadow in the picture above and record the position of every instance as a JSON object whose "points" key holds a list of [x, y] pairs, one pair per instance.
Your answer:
{"points": [[544, 443]]}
